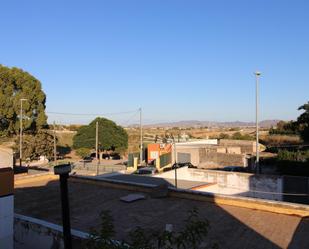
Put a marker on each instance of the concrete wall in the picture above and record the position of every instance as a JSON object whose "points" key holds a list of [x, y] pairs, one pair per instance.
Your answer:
{"points": [[212, 156], [233, 183], [247, 147], [31, 233], [209, 159], [6, 157], [194, 154]]}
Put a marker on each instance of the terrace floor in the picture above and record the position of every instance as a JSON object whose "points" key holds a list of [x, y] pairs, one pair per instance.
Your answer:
{"points": [[231, 227]]}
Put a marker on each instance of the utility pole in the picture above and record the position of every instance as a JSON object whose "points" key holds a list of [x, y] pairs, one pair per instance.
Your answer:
{"points": [[175, 155], [257, 162], [21, 133], [97, 145], [141, 136], [55, 145]]}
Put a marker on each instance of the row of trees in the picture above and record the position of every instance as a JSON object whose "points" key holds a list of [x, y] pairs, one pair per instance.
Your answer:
{"points": [[298, 127], [236, 136], [15, 85]]}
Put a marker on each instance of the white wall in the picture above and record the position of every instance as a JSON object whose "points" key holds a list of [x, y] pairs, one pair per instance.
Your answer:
{"points": [[6, 157], [6, 221], [31, 233], [232, 183]]}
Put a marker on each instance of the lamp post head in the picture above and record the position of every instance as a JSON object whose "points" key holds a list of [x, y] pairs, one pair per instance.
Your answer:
{"points": [[62, 169], [257, 73]]}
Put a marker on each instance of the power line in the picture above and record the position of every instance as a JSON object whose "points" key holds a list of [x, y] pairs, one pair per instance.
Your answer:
{"points": [[130, 118], [91, 114]]}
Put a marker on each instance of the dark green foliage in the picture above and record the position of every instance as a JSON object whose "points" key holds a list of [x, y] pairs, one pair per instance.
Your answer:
{"points": [[300, 156], [83, 152], [303, 122], [301, 126], [223, 136], [239, 136], [16, 84], [191, 236], [38, 144], [285, 128], [111, 136], [102, 239]]}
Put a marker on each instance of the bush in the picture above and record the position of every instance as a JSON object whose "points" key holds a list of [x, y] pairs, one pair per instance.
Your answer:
{"points": [[239, 136], [223, 136], [83, 152], [191, 236], [299, 156]]}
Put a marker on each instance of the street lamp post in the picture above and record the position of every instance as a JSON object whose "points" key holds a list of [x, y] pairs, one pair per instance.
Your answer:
{"points": [[63, 172], [257, 162], [175, 159], [21, 132], [141, 136]]}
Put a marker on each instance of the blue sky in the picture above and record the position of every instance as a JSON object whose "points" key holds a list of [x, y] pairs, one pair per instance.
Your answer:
{"points": [[178, 60]]}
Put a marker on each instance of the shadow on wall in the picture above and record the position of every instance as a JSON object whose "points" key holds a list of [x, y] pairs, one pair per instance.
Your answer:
{"points": [[231, 227], [292, 189]]}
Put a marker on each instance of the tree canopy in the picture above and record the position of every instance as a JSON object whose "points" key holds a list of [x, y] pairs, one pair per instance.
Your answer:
{"points": [[38, 144], [299, 127], [110, 137], [15, 84], [303, 122]]}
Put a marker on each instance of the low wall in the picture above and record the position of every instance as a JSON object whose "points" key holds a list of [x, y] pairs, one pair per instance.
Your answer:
{"points": [[237, 201], [243, 184], [6, 157], [209, 159], [247, 147], [6, 207], [31, 233]]}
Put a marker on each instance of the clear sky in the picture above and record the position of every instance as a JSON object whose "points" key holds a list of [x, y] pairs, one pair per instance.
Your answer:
{"points": [[178, 60]]}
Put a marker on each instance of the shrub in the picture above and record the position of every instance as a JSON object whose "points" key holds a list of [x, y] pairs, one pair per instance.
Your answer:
{"points": [[83, 152], [191, 236]]}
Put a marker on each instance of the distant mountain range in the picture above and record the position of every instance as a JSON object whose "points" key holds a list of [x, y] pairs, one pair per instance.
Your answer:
{"points": [[196, 123]]}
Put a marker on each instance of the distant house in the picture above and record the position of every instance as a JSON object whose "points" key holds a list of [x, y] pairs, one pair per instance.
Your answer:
{"points": [[6, 157]]}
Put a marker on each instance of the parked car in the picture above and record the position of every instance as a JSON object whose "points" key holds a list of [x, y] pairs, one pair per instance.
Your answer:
{"points": [[146, 171], [234, 169], [179, 165], [86, 159]]}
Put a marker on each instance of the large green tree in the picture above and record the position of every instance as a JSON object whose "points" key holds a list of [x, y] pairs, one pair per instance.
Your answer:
{"points": [[39, 144], [303, 122], [111, 136], [15, 84]]}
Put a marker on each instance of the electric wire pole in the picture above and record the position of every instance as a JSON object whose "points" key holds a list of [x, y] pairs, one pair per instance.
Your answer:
{"points": [[97, 145], [21, 133], [141, 136], [55, 145], [257, 162], [175, 155]]}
